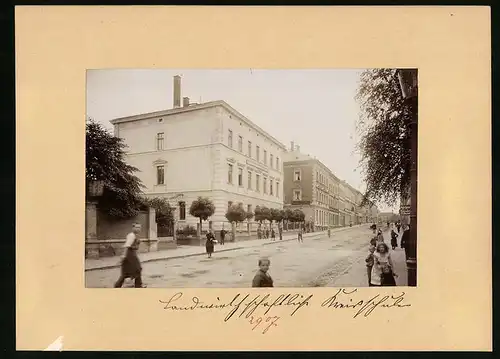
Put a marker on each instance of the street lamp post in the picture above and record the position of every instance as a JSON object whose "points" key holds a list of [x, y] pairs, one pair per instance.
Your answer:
{"points": [[408, 81]]}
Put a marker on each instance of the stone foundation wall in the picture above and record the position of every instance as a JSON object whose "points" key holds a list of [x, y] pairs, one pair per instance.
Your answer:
{"points": [[111, 248]]}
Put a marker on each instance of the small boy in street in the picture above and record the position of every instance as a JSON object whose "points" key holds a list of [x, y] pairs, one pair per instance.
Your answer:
{"points": [[369, 264], [273, 234], [262, 277]]}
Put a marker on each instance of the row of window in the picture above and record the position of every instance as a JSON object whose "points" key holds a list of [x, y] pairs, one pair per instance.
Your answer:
{"points": [[160, 145], [327, 199], [324, 218], [272, 162], [160, 180], [332, 187], [272, 190], [323, 179]]}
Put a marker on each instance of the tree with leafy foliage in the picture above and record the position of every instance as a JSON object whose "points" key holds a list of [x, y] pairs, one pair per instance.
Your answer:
{"points": [[104, 157], [298, 216], [202, 208], [384, 129], [164, 212], [276, 215], [235, 214], [262, 213], [287, 216]]}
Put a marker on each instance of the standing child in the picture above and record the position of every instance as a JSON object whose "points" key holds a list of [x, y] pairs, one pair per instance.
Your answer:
{"points": [[383, 269], [262, 277], [273, 234], [369, 264], [394, 239]]}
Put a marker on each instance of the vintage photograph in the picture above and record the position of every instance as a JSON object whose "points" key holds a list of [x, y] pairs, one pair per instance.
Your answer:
{"points": [[251, 178]]}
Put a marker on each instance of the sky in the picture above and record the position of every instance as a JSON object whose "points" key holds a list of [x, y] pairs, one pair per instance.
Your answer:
{"points": [[314, 108]]}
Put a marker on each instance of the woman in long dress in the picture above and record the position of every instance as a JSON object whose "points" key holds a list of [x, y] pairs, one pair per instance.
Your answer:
{"points": [[383, 268], [209, 244]]}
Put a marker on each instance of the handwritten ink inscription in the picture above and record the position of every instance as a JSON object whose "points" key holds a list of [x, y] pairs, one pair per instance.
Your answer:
{"points": [[267, 323], [365, 307], [256, 308]]}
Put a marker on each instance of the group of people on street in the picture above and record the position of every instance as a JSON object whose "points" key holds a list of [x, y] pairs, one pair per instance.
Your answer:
{"points": [[379, 264], [265, 233]]}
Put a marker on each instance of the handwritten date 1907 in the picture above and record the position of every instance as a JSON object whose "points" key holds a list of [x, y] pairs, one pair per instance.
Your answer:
{"points": [[267, 322]]}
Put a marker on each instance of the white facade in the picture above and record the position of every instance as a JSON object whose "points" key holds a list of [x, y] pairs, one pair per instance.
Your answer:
{"points": [[192, 147]]}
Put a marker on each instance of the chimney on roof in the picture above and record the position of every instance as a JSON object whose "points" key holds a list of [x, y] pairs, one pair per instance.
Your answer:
{"points": [[177, 91], [292, 146], [185, 101]]}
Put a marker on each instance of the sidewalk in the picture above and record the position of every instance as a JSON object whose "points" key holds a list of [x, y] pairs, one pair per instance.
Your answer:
{"points": [[189, 251], [356, 275]]}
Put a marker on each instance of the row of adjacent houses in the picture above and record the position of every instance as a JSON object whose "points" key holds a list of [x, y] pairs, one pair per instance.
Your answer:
{"points": [[212, 150], [325, 199]]}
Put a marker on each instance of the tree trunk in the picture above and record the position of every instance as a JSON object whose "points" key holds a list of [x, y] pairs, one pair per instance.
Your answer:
{"points": [[233, 231], [199, 233]]}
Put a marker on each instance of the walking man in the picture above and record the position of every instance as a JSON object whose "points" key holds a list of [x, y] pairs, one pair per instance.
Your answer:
{"points": [[130, 264], [222, 236], [405, 240]]}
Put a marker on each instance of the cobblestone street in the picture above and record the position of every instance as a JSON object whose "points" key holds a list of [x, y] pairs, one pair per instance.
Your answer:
{"points": [[313, 263]]}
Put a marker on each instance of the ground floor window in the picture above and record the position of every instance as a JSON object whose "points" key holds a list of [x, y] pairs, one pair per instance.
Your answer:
{"points": [[182, 211]]}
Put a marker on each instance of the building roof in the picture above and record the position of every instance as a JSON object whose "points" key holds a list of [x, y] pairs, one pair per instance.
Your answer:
{"points": [[196, 107]]}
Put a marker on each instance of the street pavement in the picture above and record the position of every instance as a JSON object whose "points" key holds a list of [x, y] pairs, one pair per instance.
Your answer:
{"points": [[188, 251], [317, 262]]}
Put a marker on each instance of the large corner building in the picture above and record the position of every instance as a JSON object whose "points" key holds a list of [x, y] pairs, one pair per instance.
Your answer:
{"points": [[207, 149]]}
